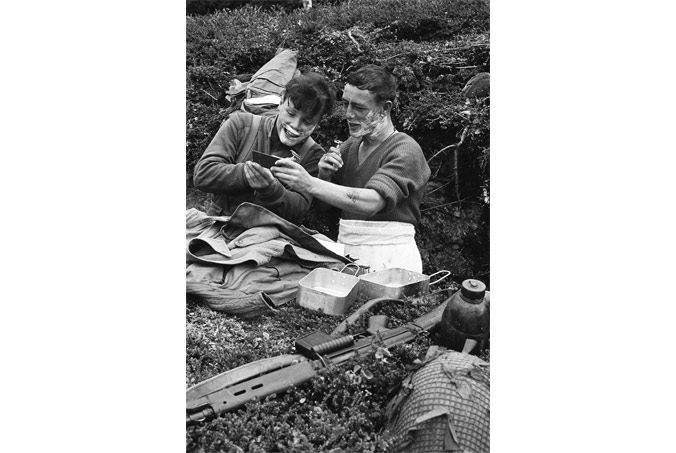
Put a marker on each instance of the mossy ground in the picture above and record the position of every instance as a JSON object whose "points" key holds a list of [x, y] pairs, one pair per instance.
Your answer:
{"points": [[339, 411], [343, 409], [433, 47]]}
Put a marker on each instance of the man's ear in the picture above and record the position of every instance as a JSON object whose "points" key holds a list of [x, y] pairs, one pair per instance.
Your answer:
{"points": [[387, 107]]}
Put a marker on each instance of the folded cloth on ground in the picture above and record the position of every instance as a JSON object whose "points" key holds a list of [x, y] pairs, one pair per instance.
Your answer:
{"points": [[205, 273], [231, 288], [249, 215], [213, 244], [277, 279], [234, 303], [196, 222], [251, 262], [257, 235]]}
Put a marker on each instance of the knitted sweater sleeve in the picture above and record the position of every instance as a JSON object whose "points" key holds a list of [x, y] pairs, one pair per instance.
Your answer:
{"points": [[402, 171], [216, 171]]}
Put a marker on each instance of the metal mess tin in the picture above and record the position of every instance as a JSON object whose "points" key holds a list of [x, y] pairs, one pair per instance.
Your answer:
{"points": [[327, 291], [396, 283]]}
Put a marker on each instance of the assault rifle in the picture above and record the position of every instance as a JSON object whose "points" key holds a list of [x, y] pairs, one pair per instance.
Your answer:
{"points": [[232, 389]]}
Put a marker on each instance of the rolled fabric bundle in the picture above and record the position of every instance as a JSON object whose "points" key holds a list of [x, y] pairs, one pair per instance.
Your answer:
{"points": [[220, 299]]}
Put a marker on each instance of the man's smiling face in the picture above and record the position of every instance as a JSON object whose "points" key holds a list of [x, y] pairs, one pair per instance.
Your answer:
{"points": [[294, 126]]}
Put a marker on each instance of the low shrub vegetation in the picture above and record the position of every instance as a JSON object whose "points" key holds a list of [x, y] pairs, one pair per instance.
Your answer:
{"points": [[341, 410], [434, 47]]}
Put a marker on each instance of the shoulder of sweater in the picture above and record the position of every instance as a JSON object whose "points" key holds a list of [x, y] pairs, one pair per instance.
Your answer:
{"points": [[317, 147], [245, 119], [402, 142], [240, 118], [405, 138]]}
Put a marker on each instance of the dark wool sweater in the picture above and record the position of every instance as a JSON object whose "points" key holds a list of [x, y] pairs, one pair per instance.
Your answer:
{"points": [[218, 172], [397, 170]]}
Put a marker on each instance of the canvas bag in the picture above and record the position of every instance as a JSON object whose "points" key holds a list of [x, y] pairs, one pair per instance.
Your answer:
{"points": [[264, 90], [263, 93]]}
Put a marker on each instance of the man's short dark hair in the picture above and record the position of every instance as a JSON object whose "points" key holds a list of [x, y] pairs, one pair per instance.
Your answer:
{"points": [[311, 93], [376, 80]]}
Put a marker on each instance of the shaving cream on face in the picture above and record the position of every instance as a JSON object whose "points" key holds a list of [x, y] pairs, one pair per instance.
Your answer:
{"points": [[290, 136], [372, 125]]}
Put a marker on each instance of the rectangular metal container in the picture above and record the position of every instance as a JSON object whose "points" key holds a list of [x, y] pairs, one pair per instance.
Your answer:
{"points": [[395, 283], [328, 291]]}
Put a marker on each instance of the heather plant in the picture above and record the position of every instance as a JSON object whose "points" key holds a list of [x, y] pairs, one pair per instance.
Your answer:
{"points": [[342, 409], [434, 47]]}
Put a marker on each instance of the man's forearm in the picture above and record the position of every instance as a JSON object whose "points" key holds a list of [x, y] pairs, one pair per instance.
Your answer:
{"points": [[217, 171], [352, 199], [288, 204], [212, 174]]}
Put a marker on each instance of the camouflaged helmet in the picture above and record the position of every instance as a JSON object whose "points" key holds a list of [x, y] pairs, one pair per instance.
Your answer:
{"points": [[444, 406]]}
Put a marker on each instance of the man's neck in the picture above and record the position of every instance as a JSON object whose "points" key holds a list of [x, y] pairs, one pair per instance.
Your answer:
{"points": [[373, 140]]}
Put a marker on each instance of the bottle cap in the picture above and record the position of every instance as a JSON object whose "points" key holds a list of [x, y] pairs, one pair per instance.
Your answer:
{"points": [[473, 289]]}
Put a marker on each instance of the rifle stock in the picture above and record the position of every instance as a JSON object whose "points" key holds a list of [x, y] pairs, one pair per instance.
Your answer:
{"points": [[233, 388]]}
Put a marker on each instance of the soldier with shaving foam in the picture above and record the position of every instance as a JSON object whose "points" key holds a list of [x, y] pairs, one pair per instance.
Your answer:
{"points": [[376, 178]]}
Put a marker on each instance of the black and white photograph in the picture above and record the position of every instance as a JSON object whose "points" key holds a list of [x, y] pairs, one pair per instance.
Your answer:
{"points": [[345, 226], [338, 226]]}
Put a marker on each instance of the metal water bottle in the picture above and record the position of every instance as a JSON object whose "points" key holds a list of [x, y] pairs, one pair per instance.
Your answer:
{"points": [[466, 317]]}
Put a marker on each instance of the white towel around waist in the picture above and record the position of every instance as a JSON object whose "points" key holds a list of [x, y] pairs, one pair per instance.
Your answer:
{"points": [[380, 245], [362, 232]]}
